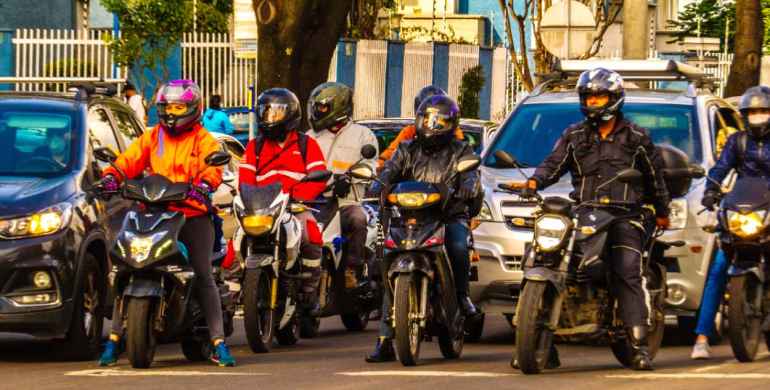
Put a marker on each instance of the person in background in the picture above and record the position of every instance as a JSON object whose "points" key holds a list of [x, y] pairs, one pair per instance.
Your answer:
{"points": [[215, 119], [135, 101]]}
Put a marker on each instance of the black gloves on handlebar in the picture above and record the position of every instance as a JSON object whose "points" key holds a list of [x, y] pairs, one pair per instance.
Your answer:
{"points": [[710, 198], [468, 189], [341, 186]]}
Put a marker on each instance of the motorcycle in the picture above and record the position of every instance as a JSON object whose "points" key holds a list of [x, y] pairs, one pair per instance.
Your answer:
{"points": [[742, 234], [420, 275], [154, 282], [272, 276], [566, 289]]}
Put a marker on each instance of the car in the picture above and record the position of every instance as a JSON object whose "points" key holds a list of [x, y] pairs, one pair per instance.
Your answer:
{"points": [[223, 197], [688, 120], [239, 117], [54, 233]]}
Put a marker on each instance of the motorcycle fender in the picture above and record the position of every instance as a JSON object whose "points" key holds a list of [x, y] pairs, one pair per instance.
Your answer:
{"points": [[409, 263], [143, 288], [737, 271], [542, 274]]}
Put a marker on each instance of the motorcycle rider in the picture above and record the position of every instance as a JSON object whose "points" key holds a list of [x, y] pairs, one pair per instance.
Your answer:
{"points": [[329, 111], [427, 159], [408, 132], [744, 152], [176, 148], [281, 154], [593, 152]]}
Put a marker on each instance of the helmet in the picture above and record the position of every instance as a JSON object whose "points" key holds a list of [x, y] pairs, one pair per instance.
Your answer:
{"points": [[756, 98], [277, 113], [330, 106], [426, 92], [601, 81], [179, 105], [437, 118]]}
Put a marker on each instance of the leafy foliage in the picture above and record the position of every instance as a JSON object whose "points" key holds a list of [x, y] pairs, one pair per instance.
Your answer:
{"points": [[470, 88], [214, 15], [362, 20], [713, 15]]}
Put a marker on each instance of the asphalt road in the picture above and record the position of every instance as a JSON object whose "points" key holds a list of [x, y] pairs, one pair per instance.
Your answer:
{"points": [[335, 361]]}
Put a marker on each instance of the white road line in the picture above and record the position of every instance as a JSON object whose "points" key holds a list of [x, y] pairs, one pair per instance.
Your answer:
{"points": [[102, 372], [456, 374], [728, 363], [691, 375]]}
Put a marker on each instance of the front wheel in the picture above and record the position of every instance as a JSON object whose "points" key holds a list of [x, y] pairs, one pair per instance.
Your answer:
{"points": [[257, 311], [745, 316], [140, 338], [406, 300], [533, 338]]}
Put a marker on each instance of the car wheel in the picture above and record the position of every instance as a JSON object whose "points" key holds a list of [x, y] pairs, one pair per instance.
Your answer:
{"points": [[85, 334]]}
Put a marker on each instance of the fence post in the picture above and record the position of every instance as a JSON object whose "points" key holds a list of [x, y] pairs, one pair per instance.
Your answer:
{"points": [[346, 62], [441, 65], [485, 96], [6, 57], [394, 78]]}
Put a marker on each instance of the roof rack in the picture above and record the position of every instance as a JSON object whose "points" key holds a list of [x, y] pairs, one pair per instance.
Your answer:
{"points": [[82, 86], [634, 70]]}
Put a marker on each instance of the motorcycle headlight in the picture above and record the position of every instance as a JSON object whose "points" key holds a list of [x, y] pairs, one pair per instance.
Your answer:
{"points": [[550, 232], [48, 221], [257, 225], [678, 216], [745, 225], [413, 199], [140, 246]]}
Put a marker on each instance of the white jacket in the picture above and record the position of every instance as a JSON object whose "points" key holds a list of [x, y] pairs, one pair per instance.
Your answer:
{"points": [[342, 150]]}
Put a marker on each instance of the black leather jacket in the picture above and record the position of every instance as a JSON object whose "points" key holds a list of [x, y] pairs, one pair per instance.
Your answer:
{"points": [[412, 162], [592, 161]]}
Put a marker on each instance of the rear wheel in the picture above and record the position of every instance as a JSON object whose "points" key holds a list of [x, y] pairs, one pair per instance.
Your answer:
{"points": [[355, 321], [409, 333], [140, 338], [309, 327], [289, 335], [257, 313], [745, 316], [474, 329], [533, 339], [196, 350]]}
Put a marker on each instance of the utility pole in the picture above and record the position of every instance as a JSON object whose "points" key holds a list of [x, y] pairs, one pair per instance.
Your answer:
{"points": [[635, 29]]}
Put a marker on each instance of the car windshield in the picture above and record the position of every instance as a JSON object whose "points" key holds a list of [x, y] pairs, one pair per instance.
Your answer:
{"points": [[386, 135], [34, 143], [532, 131]]}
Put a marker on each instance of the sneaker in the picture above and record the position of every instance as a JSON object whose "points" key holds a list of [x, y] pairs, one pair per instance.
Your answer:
{"points": [[701, 351], [222, 357], [110, 355]]}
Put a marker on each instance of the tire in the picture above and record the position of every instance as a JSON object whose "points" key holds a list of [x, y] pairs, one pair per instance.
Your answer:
{"points": [[85, 333], [355, 322], [509, 320], [621, 347], [196, 350], [140, 338], [474, 329], [745, 325], [290, 334], [533, 340], [406, 296], [258, 317], [450, 348], [309, 327]]}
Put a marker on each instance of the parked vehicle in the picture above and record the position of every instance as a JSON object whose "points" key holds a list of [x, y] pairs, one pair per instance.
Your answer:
{"points": [[688, 120], [54, 236], [386, 129]]}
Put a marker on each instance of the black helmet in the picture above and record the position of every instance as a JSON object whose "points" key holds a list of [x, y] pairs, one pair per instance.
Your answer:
{"points": [[330, 105], [277, 113], [756, 98], [601, 81], [436, 120], [426, 92]]}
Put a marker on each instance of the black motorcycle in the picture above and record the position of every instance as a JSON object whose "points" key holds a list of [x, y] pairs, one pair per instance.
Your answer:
{"points": [[154, 283], [420, 276], [742, 229]]}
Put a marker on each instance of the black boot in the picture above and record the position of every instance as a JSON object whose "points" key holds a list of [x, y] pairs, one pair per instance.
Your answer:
{"points": [[467, 307], [383, 352], [641, 360]]}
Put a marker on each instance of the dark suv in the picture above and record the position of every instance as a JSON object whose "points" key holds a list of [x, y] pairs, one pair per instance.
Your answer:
{"points": [[53, 234]]}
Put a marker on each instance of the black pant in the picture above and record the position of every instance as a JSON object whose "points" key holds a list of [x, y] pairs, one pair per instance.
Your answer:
{"points": [[354, 223], [628, 284]]}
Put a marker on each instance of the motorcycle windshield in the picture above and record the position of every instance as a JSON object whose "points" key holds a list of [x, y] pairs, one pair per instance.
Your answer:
{"points": [[749, 193], [257, 198], [156, 189]]}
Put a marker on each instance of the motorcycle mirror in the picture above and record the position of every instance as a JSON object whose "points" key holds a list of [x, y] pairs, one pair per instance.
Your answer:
{"points": [[629, 175], [105, 154], [362, 171], [505, 159], [697, 171], [217, 159], [318, 176], [468, 163], [228, 177], [368, 152]]}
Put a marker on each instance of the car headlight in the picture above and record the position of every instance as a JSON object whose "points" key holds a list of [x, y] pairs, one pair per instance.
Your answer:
{"points": [[745, 225], [550, 232], [485, 214], [414, 199], [257, 225], [678, 215], [48, 221]]}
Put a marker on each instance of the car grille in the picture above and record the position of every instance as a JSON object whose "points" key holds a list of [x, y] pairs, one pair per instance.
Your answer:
{"points": [[518, 203], [512, 263]]}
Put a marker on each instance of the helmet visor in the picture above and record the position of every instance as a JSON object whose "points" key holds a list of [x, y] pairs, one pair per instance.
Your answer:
{"points": [[758, 117], [177, 109], [271, 113], [320, 109], [597, 100], [433, 122]]}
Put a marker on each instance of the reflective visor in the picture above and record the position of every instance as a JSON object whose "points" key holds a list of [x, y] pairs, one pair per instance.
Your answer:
{"points": [[321, 109], [176, 109], [271, 113], [758, 117], [433, 122]]}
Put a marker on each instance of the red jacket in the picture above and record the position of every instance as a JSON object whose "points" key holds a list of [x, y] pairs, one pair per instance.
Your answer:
{"points": [[284, 165]]}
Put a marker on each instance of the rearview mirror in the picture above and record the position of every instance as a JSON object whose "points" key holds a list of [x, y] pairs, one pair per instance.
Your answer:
{"points": [[468, 163], [368, 152], [697, 171], [217, 159], [629, 175], [362, 171], [505, 160], [317, 176], [105, 154]]}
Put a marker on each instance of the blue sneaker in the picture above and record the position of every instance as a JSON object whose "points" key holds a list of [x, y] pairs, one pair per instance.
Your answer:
{"points": [[110, 355], [222, 357]]}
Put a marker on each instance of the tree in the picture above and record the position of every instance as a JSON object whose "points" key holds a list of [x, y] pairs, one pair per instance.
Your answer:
{"points": [[296, 41], [362, 21], [747, 62], [470, 88], [532, 10], [213, 16], [707, 18]]}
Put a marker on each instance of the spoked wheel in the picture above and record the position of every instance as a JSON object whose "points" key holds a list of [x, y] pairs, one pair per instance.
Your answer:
{"points": [[409, 333], [745, 316], [533, 338], [140, 338], [257, 312]]}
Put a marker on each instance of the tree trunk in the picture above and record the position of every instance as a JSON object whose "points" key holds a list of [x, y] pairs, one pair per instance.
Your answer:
{"points": [[296, 41], [747, 62]]}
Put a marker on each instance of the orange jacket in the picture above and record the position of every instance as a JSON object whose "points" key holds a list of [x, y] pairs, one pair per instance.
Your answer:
{"points": [[180, 159], [406, 134]]}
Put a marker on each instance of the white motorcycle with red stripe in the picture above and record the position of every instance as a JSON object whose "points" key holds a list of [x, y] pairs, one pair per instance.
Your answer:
{"points": [[269, 238]]}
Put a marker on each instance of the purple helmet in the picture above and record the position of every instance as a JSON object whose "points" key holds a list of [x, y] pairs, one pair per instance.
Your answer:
{"points": [[179, 92], [437, 118]]}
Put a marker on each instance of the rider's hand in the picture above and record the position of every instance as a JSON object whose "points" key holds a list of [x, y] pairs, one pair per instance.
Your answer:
{"points": [[468, 189], [662, 222], [199, 192], [709, 200], [108, 184], [341, 186], [529, 190]]}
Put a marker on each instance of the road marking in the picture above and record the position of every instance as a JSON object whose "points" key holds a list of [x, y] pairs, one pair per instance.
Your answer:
{"points": [[691, 375], [456, 374], [102, 372], [728, 363]]}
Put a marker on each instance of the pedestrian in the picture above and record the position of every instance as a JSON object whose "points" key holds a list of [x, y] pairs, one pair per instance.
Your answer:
{"points": [[215, 119], [135, 101]]}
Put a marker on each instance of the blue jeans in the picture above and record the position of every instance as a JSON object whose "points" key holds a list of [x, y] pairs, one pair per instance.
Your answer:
{"points": [[712, 294]]}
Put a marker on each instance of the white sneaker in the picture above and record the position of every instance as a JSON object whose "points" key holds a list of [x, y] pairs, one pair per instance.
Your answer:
{"points": [[701, 351]]}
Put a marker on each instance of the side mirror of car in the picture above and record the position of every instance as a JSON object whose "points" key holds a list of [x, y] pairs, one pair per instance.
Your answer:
{"points": [[362, 171], [105, 154], [217, 159], [368, 152], [468, 163], [629, 175], [505, 160], [317, 176]]}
